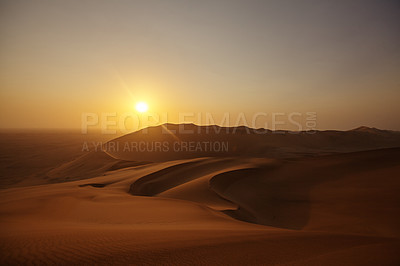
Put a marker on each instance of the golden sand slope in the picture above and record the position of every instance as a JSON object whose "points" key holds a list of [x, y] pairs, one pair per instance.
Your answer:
{"points": [[330, 210]]}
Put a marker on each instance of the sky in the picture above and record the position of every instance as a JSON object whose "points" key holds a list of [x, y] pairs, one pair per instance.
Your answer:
{"points": [[338, 59]]}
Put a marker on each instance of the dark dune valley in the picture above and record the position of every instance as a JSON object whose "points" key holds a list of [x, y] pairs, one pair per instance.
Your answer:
{"points": [[279, 200]]}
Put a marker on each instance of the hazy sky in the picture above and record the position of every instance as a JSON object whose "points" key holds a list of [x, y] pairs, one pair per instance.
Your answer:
{"points": [[59, 59]]}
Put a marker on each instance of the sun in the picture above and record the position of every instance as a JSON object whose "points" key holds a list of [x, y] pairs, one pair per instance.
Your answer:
{"points": [[141, 107]]}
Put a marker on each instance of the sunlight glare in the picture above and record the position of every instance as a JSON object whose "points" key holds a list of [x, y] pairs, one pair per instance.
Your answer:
{"points": [[142, 107]]}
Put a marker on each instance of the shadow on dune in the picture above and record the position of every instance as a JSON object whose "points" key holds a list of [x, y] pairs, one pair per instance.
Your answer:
{"points": [[162, 180], [261, 199], [315, 193], [96, 185], [283, 195]]}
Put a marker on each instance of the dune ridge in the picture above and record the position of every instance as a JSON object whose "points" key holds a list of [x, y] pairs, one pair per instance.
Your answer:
{"points": [[244, 141]]}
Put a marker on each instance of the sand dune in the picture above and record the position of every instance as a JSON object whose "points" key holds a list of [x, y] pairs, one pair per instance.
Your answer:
{"points": [[88, 165], [27, 156], [339, 209], [354, 193], [243, 141]]}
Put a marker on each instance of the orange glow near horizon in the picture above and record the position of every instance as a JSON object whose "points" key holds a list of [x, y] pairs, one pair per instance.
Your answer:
{"points": [[199, 58]]}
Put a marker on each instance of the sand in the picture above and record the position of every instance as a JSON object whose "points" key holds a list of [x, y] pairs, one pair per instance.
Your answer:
{"points": [[338, 209]]}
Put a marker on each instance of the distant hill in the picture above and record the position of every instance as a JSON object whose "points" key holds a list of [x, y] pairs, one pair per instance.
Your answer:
{"points": [[372, 130], [182, 141]]}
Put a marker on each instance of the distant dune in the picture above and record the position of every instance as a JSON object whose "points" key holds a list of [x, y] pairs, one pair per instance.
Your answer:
{"points": [[329, 198], [27, 156], [243, 141]]}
